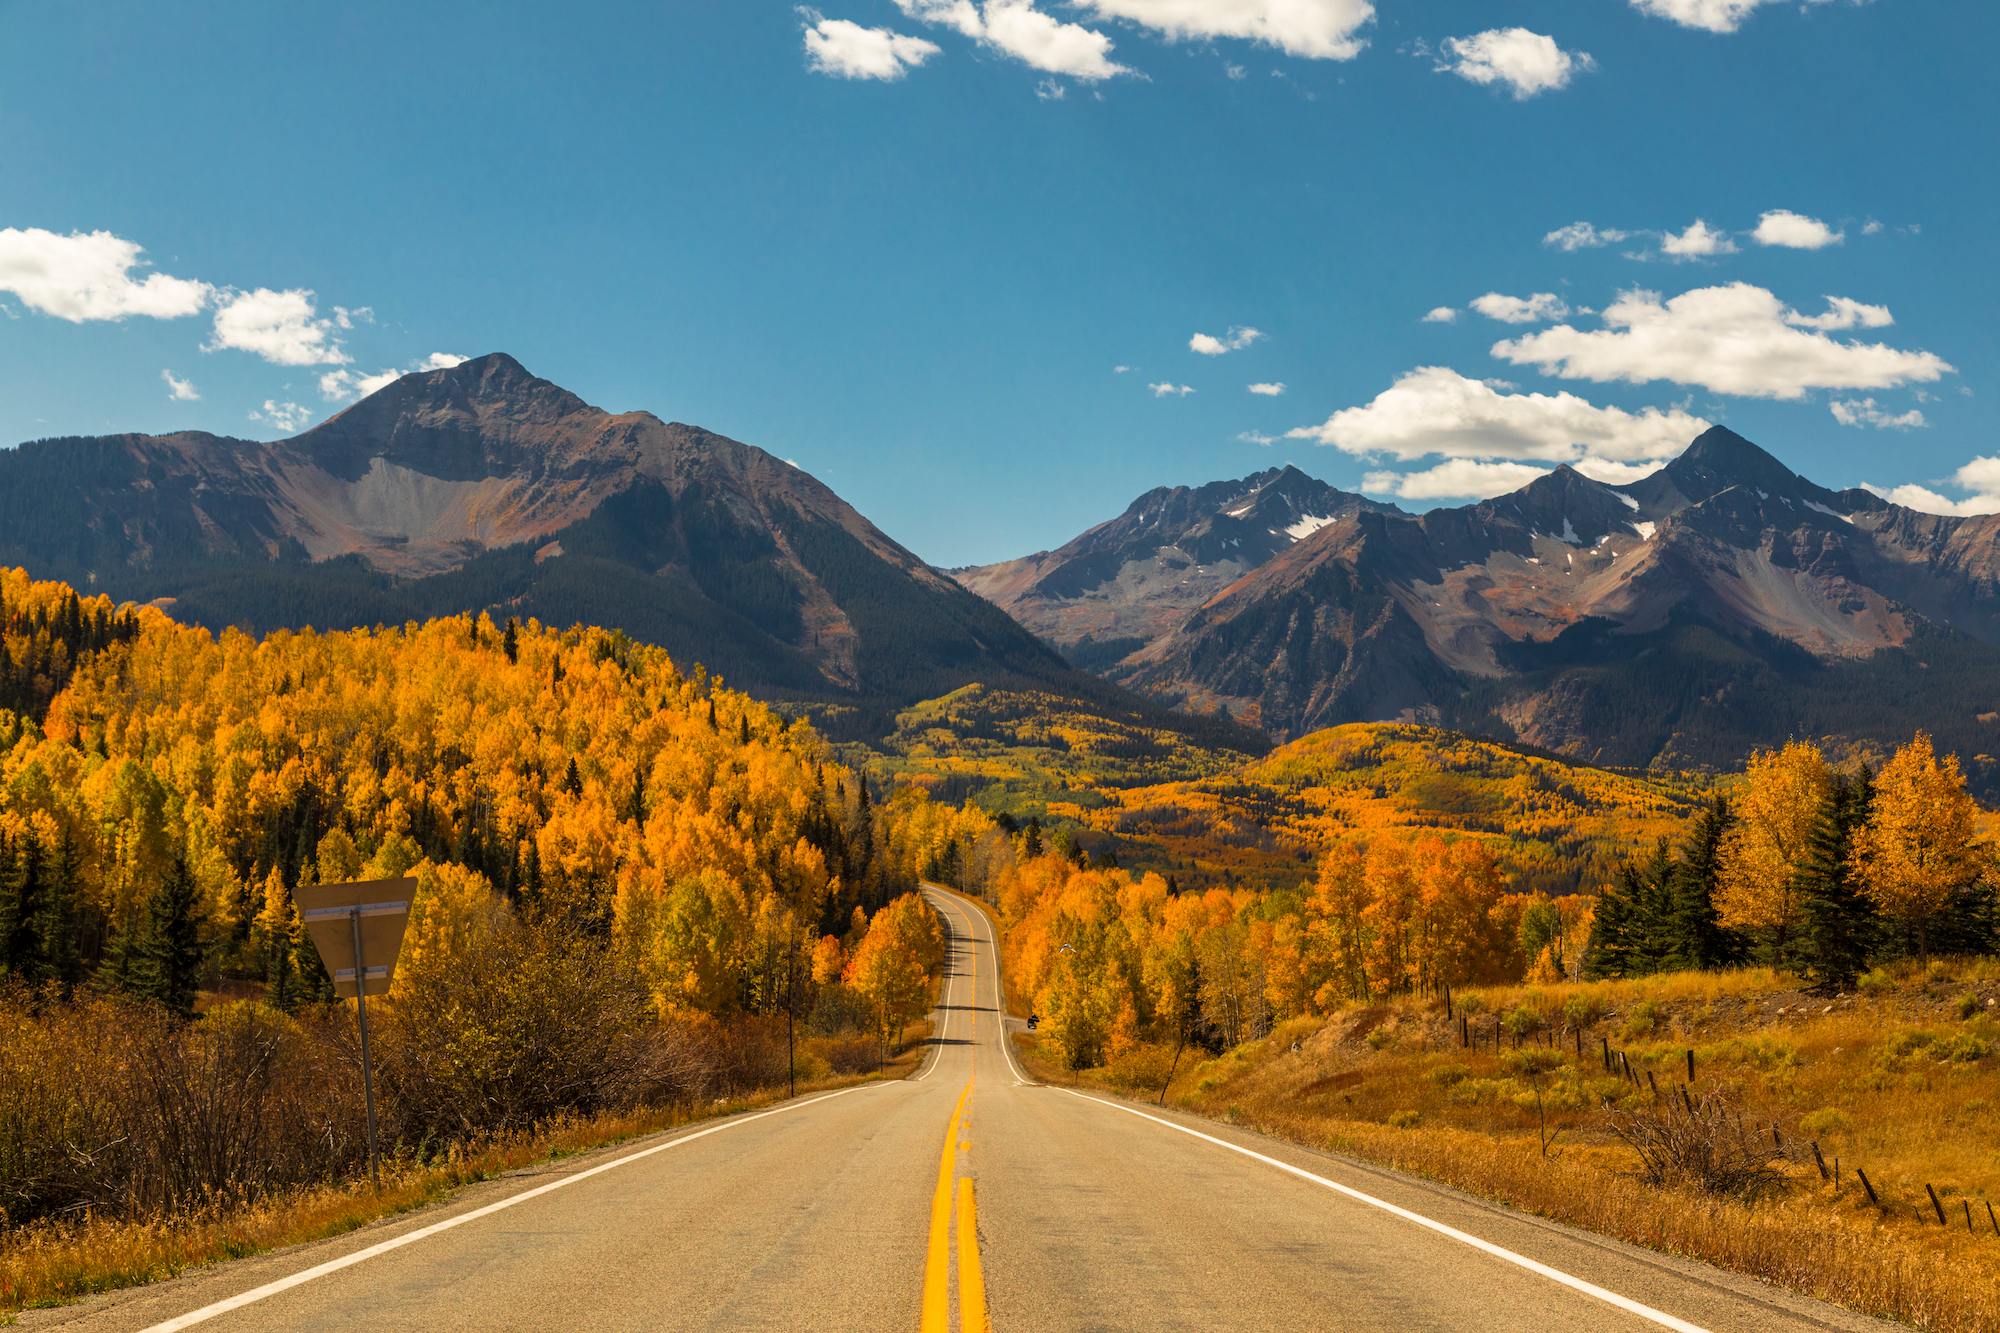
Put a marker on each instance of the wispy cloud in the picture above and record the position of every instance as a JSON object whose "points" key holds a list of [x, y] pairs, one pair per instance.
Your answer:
{"points": [[338, 385], [1166, 387], [1865, 412], [1521, 310], [178, 389], [1583, 236], [1443, 314], [846, 50], [1235, 340], [288, 417], [1015, 28], [1267, 390]]}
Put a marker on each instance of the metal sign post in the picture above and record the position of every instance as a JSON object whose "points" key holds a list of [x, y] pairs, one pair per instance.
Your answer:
{"points": [[360, 925]]}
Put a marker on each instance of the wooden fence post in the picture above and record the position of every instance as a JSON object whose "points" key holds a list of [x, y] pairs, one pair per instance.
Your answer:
{"points": [[1934, 1202], [1862, 1176]]}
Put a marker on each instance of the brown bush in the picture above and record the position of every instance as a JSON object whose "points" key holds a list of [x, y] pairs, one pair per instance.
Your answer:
{"points": [[1700, 1140], [118, 1108]]}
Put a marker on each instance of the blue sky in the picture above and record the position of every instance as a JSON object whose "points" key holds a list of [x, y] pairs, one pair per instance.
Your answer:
{"points": [[908, 243]]}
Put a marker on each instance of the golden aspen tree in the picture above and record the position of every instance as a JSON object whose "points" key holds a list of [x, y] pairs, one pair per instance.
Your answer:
{"points": [[1917, 847], [1776, 809]]}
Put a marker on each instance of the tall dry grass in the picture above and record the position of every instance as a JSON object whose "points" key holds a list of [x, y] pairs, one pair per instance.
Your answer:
{"points": [[1901, 1079]]}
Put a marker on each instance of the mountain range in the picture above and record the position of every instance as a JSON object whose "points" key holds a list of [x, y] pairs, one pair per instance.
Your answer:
{"points": [[484, 488], [1721, 602]]}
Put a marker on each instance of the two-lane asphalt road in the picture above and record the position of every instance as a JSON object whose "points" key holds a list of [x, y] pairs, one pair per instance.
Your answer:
{"points": [[858, 1210]]}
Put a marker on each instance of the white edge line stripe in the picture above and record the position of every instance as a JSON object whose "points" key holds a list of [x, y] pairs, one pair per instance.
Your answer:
{"points": [[1498, 1252], [936, 1055], [208, 1312]]}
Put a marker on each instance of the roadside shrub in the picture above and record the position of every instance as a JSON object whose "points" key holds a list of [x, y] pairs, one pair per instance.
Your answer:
{"points": [[1446, 1076], [1968, 1005], [1640, 1020], [1404, 1119], [1825, 1123], [1700, 1141], [1876, 983], [1380, 1038], [1523, 1021], [1473, 1003], [1583, 1009]]}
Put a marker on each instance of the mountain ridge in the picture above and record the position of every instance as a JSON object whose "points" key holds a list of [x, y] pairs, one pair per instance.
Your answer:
{"points": [[484, 487]]}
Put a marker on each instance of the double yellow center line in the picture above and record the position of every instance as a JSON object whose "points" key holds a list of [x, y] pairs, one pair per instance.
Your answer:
{"points": [[937, 1267]]}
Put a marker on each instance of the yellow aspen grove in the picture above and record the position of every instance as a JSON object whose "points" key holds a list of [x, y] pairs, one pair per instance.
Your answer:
{"points": [[1918, 844], [1776, 807]]}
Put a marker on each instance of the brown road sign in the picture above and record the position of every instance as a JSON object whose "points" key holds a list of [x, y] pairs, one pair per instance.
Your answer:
{"points": [[328, 911]]}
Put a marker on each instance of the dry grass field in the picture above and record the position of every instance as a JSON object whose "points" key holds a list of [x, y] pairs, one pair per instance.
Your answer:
{"points": [[1898, 1080]]}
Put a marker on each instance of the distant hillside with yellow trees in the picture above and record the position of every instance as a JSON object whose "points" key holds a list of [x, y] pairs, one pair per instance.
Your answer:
{"points": [[623, 865]]}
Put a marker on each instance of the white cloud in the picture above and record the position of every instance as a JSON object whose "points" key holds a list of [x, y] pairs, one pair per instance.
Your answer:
{"points": [[1783, 227], [89, 276], [1844, 313], [1164, 388], [180, 390], [1714, 15], [1583, 236], [847, 50], [337, 385], [1871, 228], [287, 417], [1864, 412], [1267, 390], [1452, 479], [1526, 62], [1436, 410], [1016, 28], [1981, 476], [1119, 370], [1699, 241], [1443, 314], [1235, 340], [1515, 310], [1234, 71], [281, 327], [1256, 437], [1316, 29], [1737, 339]]}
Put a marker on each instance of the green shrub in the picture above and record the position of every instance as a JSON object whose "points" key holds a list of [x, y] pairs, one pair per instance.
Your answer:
{"points": [[1826, 1121], [1380, 1038], [1473, 1003], [1583, 1009], [1404, 1119], [1968, 1005], [1446, 1076], [1876, 983], [1641, 1019]]}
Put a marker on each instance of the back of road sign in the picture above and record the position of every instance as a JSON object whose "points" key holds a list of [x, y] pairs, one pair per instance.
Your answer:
{"points": [[329, 910]]}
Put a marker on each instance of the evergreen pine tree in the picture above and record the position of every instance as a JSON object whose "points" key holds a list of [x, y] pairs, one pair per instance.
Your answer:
{"points": [[1031, 841], [55, 930], [1649, 936], [1839, 928], [1699, 940], [510, 643], [573, 780], [1607, 954], [309, 975], [743, 729], [20, 906], [167, 965]]}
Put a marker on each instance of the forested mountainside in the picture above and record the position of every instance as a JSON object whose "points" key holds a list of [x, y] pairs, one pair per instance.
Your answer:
{"points": [[483, 488]]}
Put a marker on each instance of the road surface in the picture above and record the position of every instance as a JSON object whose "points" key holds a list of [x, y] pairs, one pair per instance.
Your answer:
{"points": [[857, 1210]]}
